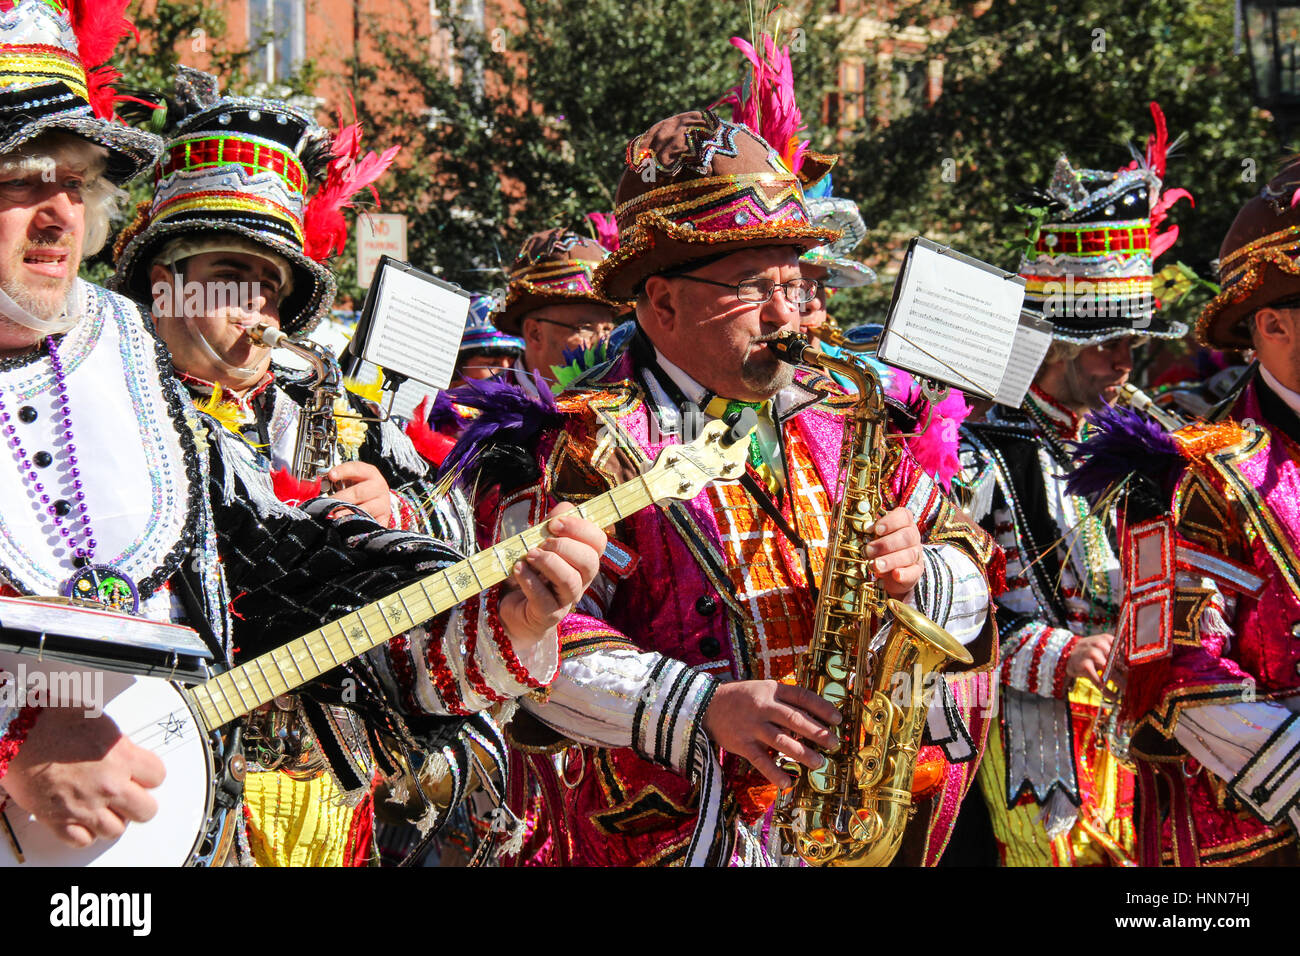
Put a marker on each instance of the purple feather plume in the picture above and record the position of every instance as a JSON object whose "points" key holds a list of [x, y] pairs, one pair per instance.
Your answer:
{"points": [[443, 413], [508, 415], [1125, 442]]}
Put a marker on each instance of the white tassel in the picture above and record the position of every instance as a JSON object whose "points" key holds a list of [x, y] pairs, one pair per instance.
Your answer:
{"points": [[397, 448], [240, 464], [400, 790], [434, 769], [514, 834], [1058, 814]]}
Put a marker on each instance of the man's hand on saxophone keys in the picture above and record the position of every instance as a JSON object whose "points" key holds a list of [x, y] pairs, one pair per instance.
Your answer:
{"points": [[361, 484], [751, 718], [896, 553]]}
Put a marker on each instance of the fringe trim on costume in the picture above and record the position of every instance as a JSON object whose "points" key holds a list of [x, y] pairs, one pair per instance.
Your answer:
{"points": [[242, 470], [397, 448]]}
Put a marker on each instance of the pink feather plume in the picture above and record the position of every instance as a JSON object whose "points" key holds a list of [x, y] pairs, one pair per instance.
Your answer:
{"points": [[935, 449], [768, 106], [606, 229], [325, 231]]}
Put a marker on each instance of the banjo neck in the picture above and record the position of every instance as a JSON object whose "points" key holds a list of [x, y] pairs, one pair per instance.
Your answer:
{"points": [[680, 471]]}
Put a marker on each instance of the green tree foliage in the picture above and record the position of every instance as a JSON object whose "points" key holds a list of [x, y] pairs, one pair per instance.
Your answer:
{"points": [[525, 128], [1025, 80], [172, 33]]}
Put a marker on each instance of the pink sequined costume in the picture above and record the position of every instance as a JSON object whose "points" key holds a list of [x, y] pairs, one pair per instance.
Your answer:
{"points": [[703, 591], [1218, 734]]}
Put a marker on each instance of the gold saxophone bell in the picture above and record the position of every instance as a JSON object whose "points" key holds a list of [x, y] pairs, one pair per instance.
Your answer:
{"points": [[854, 809]]}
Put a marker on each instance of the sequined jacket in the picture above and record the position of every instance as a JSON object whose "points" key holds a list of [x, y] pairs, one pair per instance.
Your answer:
{"points": [[202, 534], [662, 625], [1062, 567], [1220, 743]]}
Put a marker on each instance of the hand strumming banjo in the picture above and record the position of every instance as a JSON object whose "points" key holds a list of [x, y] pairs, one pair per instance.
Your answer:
{"points": [[178, 723]]}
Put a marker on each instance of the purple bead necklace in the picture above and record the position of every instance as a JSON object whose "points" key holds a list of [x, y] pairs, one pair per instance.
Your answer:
{"points": [[82, 541]]}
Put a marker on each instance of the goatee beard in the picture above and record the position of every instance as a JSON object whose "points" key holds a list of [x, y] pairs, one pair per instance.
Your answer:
{"points": [[48, 305], [766, 375]]}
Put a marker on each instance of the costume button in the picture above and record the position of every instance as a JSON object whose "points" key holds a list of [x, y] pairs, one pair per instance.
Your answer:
{"points": [[710, 647], [705, 605], [42, 459], [27, 414]]}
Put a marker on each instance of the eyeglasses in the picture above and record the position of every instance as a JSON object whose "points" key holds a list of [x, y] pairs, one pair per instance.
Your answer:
{"points": [[585, 331], [758, 289]]}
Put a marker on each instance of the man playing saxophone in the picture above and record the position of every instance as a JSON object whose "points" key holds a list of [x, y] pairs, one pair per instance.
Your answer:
{"points": [[676, 655]]}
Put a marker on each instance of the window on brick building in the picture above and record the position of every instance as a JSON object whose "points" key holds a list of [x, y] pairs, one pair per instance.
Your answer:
{"points": [[280, 27], [911, 85]]}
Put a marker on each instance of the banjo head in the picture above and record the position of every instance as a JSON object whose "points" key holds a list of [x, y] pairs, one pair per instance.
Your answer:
{"points": [[155, 715]]}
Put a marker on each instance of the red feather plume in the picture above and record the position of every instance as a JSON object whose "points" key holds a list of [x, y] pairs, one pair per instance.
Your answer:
{"points": [[293, 490], [432, 445], [1156, 160], [325, 232], [99, 26]]}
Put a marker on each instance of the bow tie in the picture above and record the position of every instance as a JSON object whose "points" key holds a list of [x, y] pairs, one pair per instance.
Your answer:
{"points": [[764, 452]]}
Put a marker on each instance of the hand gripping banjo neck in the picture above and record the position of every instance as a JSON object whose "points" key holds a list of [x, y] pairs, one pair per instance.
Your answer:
{"points": [[680, 471]]}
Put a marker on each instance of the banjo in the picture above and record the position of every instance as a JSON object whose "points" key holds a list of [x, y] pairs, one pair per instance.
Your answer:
{"points": [[180, 724]]}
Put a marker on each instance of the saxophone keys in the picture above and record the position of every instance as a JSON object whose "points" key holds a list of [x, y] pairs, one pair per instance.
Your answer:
{"points": [[865, 825]]}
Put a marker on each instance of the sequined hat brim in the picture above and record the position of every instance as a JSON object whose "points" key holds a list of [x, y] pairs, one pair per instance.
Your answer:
{"points": [[1270, 274], [314, 285], [655, 244], [130, 151], [841, 272], [525, 297]]}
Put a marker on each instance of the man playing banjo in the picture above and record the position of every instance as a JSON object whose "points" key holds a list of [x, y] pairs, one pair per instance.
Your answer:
{"points": [[177, 520]]}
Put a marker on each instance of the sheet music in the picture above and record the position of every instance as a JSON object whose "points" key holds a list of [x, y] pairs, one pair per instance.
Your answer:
{"points": [[416, 326], [1033, 338], [101, 626], [954, 319]]}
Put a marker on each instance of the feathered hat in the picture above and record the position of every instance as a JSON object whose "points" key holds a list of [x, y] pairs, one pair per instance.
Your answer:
{"points": [[245, 167], [54, 76], [553, 267], [480, 334], [1257, 262], [766, 103], [1089, 252], [696, 187]]}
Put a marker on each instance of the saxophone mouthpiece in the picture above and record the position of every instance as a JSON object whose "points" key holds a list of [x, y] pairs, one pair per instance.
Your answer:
{"points": [[264, 333], [789, 347]]}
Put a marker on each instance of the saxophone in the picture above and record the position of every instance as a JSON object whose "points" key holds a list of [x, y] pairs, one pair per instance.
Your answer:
{"points": [[313, 453], [852, 811], [831, 333]]}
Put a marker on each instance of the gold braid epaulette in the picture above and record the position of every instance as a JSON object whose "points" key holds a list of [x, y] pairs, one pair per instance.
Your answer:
{"points": [[1199, 439]]}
